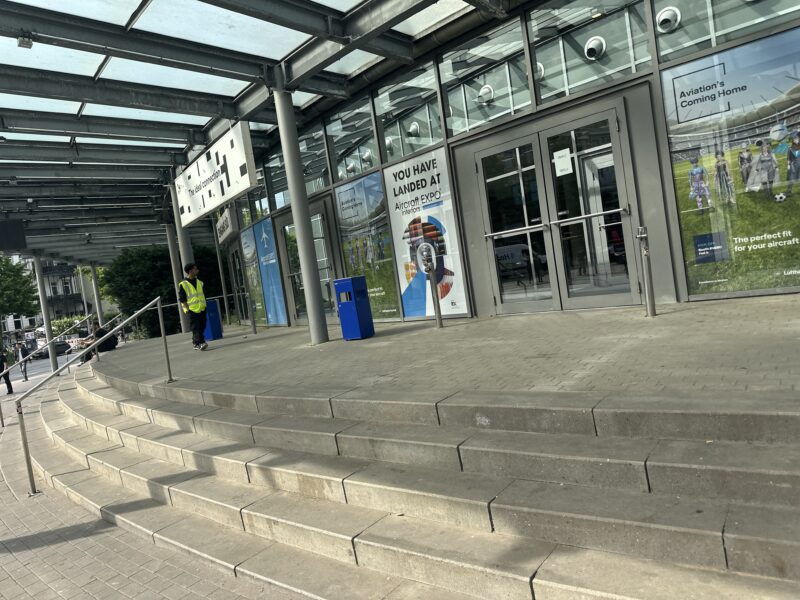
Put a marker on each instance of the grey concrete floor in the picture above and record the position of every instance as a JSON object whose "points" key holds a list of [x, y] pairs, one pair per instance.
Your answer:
{"points": [[722, 346]]}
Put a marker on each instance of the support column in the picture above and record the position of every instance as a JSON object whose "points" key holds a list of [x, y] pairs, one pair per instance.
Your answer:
{"points": [[177, 273], [45, 306], [98, 305], [221, 271], [287, 125], [185, 245], [83, 291]]}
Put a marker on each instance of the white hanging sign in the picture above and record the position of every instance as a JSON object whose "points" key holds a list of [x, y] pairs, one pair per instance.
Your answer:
{"points": [[226, 225], [224, 171]]}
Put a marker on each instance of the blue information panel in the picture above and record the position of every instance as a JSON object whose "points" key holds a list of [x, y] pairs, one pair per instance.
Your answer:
{"points": [[270, 273]]}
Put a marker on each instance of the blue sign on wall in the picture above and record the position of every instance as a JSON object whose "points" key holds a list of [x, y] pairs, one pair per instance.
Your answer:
{"points": [[270, 273]]}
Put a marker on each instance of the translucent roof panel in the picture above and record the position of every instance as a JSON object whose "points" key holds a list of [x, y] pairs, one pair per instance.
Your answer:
{"points": [[207, 24], [50, 58], [119, 112], [110, 11], [123, 69], [34, 137], [340, 5], [352, 63], [302, 98], [38, 104], [432, 17], [93, 140]]}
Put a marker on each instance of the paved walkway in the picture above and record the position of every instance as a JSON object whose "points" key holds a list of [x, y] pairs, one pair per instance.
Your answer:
{"points": [[749, 344], [50, 548]]}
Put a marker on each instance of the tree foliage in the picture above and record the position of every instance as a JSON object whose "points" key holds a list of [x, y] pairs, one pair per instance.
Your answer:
{"points": [[138, 275], [18, 294]]}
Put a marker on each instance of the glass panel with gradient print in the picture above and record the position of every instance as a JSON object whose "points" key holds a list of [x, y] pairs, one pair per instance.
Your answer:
{"points": [[593, 247], [513, 203], [323, 265]]}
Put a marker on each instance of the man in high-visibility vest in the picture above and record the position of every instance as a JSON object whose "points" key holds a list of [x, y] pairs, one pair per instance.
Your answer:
{"points": [[193, 302]]}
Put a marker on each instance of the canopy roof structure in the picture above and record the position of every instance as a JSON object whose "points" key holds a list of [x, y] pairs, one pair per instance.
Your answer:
{"points": [[101, 100]]}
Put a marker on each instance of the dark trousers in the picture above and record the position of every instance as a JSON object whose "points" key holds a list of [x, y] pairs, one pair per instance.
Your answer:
{"points": [[24, 368], [7, 378], [197, 323]]}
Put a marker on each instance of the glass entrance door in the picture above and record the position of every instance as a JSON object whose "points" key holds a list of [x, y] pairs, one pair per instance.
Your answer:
{"points": [[557, 219], [325, 264], [239, 285]]}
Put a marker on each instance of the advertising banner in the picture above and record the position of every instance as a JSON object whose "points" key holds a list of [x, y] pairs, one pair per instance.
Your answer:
{"points": [[252, 272], [224, 171], [734, 137], [421, 211], [366, 242], [270, 273]]}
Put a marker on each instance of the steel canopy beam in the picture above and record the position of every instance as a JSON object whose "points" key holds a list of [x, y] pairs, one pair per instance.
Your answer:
{"points": [[27, 121], [19, 172], [361, 26], [67, 190], [495, 8], [91, 153]]}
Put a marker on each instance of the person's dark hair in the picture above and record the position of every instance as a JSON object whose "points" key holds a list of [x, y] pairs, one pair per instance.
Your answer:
{"points": [[188, 267]]}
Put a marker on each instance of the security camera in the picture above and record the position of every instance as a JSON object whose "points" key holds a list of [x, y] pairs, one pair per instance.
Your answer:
{"points": [[366, 156], [539, 74], [413, 129], [595, 48], [389, 142], [351, 167], [668, 19]]}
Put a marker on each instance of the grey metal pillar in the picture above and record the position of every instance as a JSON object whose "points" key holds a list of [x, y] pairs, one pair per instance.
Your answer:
{"points": [[221, 271], [177, 273], [45, 306], [185, 245], [83, 291], [290, 145], [98, 305]]}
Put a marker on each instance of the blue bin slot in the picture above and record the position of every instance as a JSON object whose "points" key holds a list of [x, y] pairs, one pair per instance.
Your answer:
{"points": [[213, 330], [355, 313]]}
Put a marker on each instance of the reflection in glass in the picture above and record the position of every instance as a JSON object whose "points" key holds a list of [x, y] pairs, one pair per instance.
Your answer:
{"points": [[595, 256], [559, 32], [323, 266], [352, 140], [408, 112], [513, 202], [315, 168], [479, 76]]}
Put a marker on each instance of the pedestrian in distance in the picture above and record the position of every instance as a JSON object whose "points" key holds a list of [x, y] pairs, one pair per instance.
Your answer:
{"points": [[6, 359], [98, 333], [21, 354], [193, 302]]}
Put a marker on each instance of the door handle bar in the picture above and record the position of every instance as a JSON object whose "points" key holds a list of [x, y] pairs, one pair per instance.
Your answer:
{"points": [[510, 232], [605, 213]]}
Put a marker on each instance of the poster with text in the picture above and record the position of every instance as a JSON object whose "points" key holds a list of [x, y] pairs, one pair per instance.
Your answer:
{"points": [[734, 137], [366, 242], [252, 272], [421, 212], [270, 273]]}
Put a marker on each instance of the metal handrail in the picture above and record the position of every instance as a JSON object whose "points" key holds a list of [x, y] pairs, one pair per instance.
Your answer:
{"points": [[93, 346], [604, 213]]}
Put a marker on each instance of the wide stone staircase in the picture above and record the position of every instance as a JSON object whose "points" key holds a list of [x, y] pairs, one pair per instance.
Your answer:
{"points": [[377, 493]]}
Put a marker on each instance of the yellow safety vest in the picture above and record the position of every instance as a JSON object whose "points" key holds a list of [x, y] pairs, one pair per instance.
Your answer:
{"points": [[195, 299]]}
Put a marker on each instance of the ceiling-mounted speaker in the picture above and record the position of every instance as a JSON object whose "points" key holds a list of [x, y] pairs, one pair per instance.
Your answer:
{"points": [[485, 95], [351, 167], [668, 19], [389, 143], [538, 74], [366, 156], [595, 48], [413, 129]]}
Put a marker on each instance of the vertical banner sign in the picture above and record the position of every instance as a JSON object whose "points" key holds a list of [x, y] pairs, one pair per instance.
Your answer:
{"points": [[366, 242], [252, 272], [224, 171], [270, 273], [421, 211]]}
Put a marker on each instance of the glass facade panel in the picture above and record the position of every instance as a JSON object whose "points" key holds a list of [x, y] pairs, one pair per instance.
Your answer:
{"points": [[734, 138], [352, 140], [581, 44], [315, 167], [408, 112], [478, 78]]}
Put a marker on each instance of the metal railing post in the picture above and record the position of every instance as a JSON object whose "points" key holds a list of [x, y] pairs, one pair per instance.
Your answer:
{"points": [[23, 434], [2, 419], [649, 295], [164, 339]]}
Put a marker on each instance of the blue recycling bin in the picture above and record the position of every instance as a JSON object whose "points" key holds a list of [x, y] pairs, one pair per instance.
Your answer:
{"points": [[213, 330], [355, 314]]}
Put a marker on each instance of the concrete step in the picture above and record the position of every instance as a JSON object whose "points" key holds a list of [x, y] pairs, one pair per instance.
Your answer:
{"points": [[572, 459], [382, 404], [764, 541], [483, 564], [668, 528], [741, 471], [304, 434], [572, 573], [420, 445], [543, 412]]}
